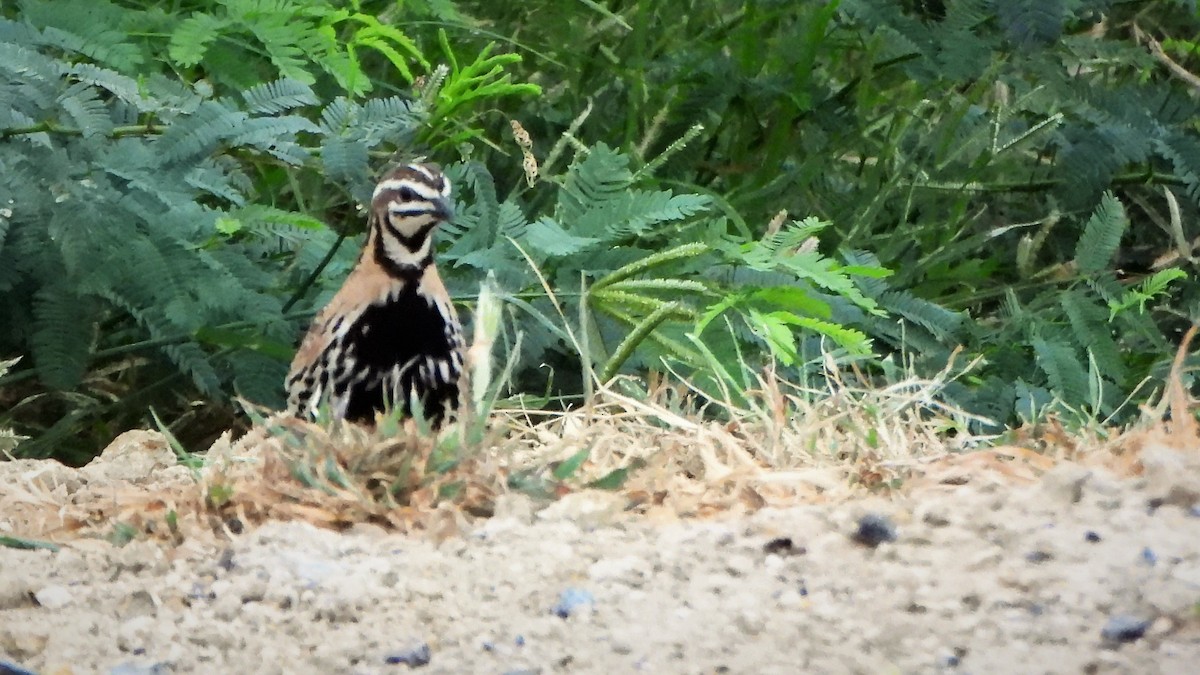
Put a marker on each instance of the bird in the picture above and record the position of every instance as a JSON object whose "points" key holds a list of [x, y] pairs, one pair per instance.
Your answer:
{"points": [[390, 334]]}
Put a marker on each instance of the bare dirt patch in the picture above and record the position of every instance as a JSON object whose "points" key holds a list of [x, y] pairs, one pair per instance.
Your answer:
{"points": [[1077, 570]]}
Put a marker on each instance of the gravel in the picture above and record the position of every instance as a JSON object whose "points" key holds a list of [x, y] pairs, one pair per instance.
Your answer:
{"points": [[939, 580]]}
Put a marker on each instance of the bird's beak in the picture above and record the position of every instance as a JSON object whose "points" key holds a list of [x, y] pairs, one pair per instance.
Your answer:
{"points": [[443, 208]]}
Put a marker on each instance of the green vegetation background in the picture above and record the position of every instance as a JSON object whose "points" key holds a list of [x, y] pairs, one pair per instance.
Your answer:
{"points": [[720, 186]]}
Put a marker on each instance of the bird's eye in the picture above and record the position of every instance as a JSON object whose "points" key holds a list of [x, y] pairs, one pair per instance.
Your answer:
{"points": [[408, 194]]}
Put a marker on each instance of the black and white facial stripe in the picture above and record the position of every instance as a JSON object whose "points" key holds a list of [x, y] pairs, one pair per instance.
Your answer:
{"points": [[407, 205]]}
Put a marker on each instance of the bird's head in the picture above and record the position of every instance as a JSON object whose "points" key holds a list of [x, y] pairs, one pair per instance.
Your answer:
{"points": [[408, 203]]}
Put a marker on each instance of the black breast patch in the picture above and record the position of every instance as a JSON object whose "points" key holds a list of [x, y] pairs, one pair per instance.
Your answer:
{"points": [[406, 331]]}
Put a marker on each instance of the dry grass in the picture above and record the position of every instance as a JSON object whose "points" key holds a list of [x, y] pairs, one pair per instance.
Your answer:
{"points": [[653, 445], [788, 445]]}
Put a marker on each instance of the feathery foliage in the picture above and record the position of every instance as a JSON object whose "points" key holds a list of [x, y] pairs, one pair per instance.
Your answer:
{"points": [[1007, 161], [158, 240], [798, 186], [609, 249]]}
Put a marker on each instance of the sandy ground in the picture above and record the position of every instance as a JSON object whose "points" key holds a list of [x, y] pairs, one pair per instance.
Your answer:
{"points": [[1079, 572]]}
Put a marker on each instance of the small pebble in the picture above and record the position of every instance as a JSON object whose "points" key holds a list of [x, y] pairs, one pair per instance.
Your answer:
{"points": [[1124, 628], [948, 661], [783, 546], [54, 597], [413, 658], [739, 566], [751, 621], [571, 600], [1091, 537], [1149, 556], [1037, 557], [875, 529]]}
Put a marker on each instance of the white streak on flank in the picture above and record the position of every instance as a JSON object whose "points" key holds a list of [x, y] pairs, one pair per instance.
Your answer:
{"points": [[339, 405], [444, 311], [314, 400]]}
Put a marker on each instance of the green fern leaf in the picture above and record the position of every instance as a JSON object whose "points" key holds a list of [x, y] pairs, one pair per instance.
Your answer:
{"points": [[601, 176], [275, 136], [199, 134], [547, 237], [510, 223], [639, 211], [87, 112], [267, 222], [1093, 154], [124, 88], [1183, 150], [480, 221], [345, 160], [226, 182], [389, 52], [257, 377], [338, 116], [1064, 369], [1093, 333], [792, 236], [853, 341], [825, 273], [63, 332], [40, 75], [345, 68], [790, 298], [1152, 287], [191, 359], [93, 28], [191, 38], [775, 330], [387, 38], [965, 16], [170, 95], [482, 234], [104, 45], [1101, 235], [387, 119], [942, 323], [287, 41], [1032, 22], [271, 98]]}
